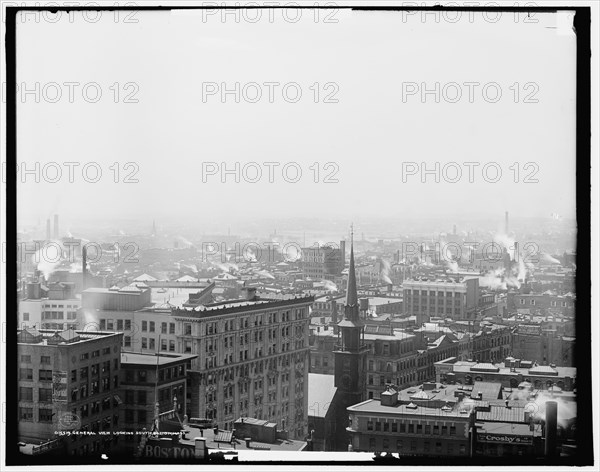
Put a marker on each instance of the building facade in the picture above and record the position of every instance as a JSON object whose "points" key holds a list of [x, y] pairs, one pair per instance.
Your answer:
{"points": [[252, 360], [69, 381]]}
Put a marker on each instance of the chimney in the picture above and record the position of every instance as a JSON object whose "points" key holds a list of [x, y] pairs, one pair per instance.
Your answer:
{"points": [[551, 426], [248, 442], [48, 230], [56, 227], [250, 293], [84, 267]]}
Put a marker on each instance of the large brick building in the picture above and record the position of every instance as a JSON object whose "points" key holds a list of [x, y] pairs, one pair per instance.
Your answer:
{"points": [[252, 360]]}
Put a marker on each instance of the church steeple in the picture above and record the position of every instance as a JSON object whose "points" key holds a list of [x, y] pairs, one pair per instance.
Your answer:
{"points": [[351, 309]]}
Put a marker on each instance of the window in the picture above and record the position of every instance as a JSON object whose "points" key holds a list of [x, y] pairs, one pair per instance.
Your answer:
{"points": [[144, 326], [45, 375], [110, 326], [142, 416], [85, 356], [172, 346], [394, 427], [25, 414], [188, 347], [25, 374], [127, 341], [411, 428], [369, 425], [26, 359], [45, 394], [163, 328], [26, 394], [386, 443], [372, 443], [152, 326], [141, 397], [127, 324], [45, 415], [119, 325], [452, 430], [144, 343], [152, 344], [142, 376], [187, 329], [171, 328], [163, 344], [25, 316]]}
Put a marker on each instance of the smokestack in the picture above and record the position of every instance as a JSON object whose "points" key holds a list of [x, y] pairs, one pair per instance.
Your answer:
{"points": [[506, 222], [84, 267], [48, 230], [551, 425], [56, 227]]}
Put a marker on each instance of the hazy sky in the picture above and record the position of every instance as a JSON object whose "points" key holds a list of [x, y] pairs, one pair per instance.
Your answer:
{"points": [[371, 59]]}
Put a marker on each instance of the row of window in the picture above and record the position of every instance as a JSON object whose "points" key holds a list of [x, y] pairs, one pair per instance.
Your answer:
{"points": [[44, 414], [55, 315], [94, 370], [400, 446], [523, 301], [26, 359], [150, 343], [411, 428], [246, 322]]}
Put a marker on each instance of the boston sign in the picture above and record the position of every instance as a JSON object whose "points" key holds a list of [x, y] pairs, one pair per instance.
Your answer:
{"points": [[169, 452]]}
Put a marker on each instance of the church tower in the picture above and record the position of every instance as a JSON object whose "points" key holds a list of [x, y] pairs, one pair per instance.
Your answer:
{"points": [[350, 356]]}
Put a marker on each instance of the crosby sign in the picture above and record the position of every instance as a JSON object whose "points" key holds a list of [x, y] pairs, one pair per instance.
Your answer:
{"points": [[505, 439]]}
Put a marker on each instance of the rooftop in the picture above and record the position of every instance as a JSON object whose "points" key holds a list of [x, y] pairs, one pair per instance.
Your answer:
{"points": [[320, 393], [153, 359]]}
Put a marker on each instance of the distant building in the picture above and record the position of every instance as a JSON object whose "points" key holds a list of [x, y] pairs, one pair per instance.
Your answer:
{"points": [[68, 381], [453, 299], [52, 307], [323, 262]]}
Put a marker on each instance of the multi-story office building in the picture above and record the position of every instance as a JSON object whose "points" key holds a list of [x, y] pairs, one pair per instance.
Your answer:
{"points": [[152, 384], [69, 381], [252, 360], [456, 299], [323, 262]]}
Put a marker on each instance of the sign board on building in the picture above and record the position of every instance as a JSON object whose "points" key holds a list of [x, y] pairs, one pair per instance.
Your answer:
{"points": [[59, 386], [505, 439]]}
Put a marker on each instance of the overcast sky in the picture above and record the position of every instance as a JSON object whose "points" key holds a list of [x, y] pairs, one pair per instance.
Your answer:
{"points": [[373, 130]]}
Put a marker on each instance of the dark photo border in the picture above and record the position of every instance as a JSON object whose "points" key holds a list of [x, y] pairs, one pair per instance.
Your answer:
{"points": [[584, 455]]}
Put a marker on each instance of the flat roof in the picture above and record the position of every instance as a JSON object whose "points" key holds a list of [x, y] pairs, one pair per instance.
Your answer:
{"points": [[321, 390], [151, 359], [375, 406]]}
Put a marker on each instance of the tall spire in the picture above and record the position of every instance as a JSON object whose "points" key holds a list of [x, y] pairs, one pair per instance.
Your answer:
{"points": [[351, 308]]}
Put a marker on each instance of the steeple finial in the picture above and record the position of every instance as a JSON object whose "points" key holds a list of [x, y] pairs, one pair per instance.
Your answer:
{"points": [[351, 309]]}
